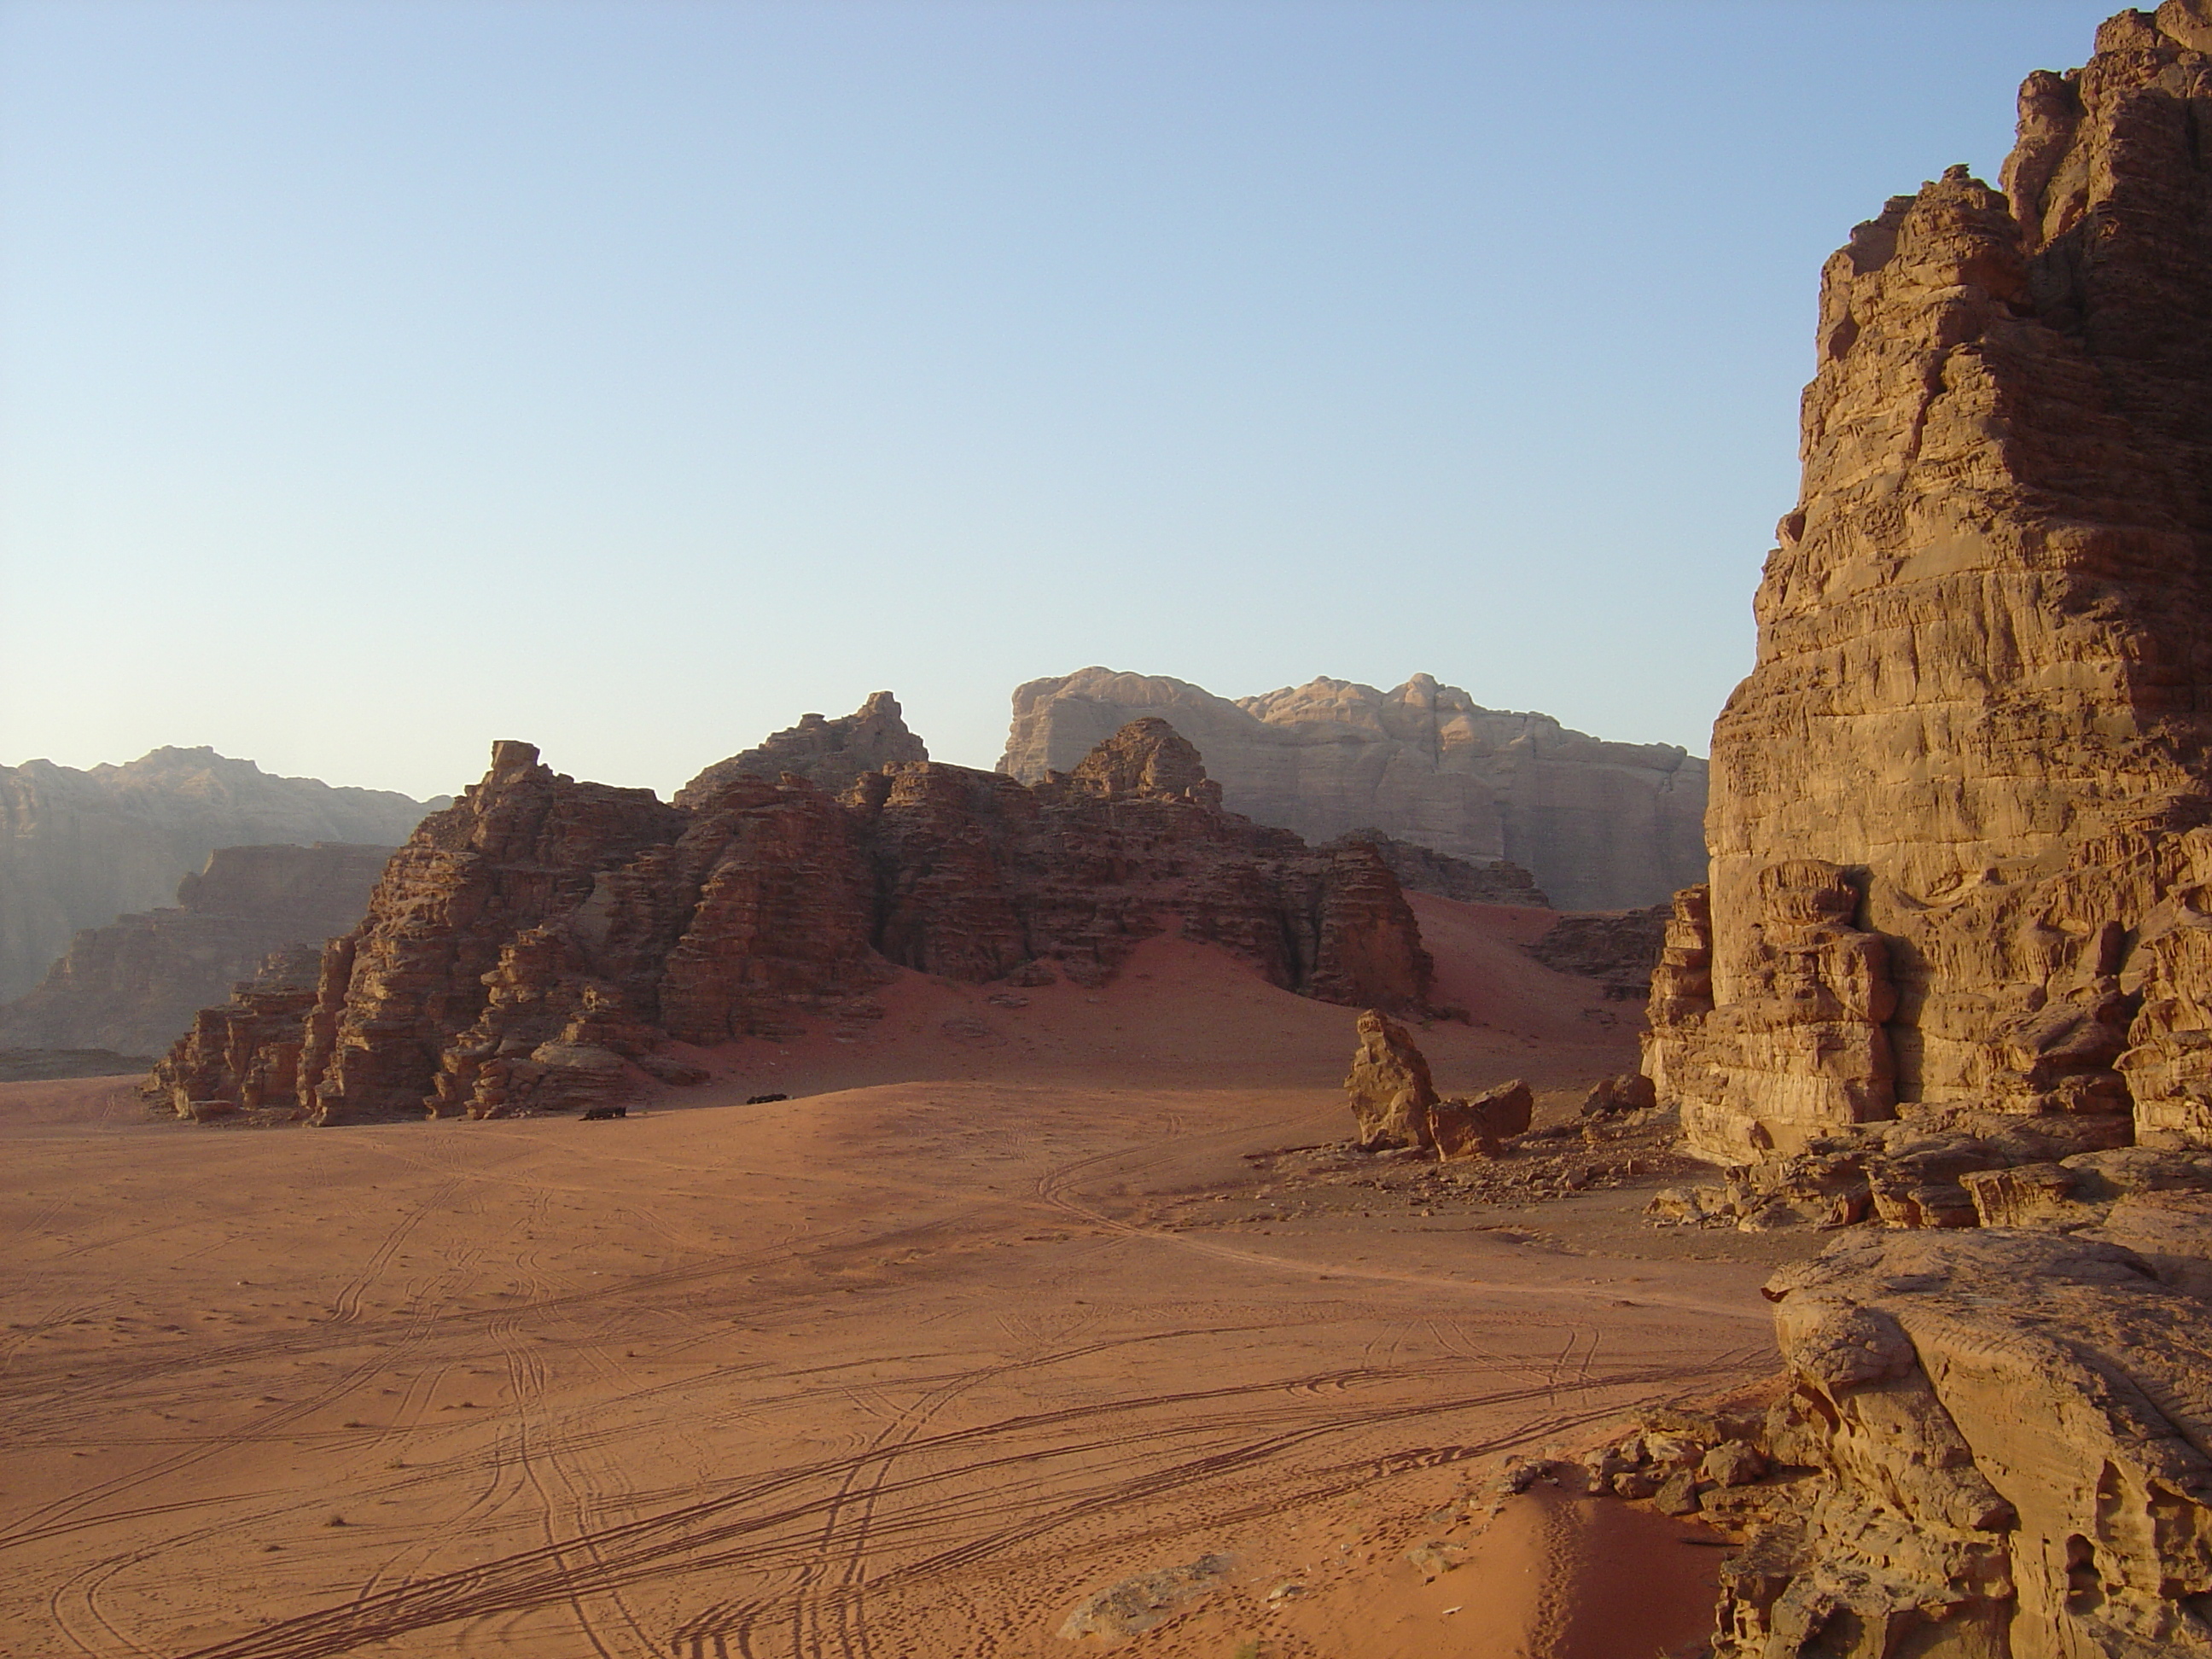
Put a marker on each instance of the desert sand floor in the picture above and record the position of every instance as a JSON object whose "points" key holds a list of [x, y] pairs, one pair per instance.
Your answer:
{"points": [[993, 1313]]}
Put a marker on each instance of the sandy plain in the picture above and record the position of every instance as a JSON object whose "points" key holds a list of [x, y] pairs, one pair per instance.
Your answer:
{"points": [[1013, 1301]]}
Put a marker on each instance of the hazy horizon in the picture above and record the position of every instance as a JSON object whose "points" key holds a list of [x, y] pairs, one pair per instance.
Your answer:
{"points": [[386, 378]]}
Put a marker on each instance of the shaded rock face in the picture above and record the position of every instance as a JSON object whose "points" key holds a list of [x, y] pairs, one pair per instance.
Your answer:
{"points": [[1602, 825], [2013, 1427], [135, 984], [79, 848], [540, 935], [1423, 870], [1960, 863], [832, 753], [1620, 949]]}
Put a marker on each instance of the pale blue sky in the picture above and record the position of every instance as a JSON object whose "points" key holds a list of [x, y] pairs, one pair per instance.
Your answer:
{"points": [[378, 380]]}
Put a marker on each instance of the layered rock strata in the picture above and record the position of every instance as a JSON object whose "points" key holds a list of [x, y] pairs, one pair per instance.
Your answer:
{"points": [[536, 941], [1620, 949], [1961, 869], [1602, 825], [79, 848], [135, 984]]}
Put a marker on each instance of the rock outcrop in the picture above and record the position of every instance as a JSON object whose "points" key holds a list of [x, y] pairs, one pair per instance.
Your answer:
{"points": [[1602, 825], [135, 984], [79, 848], [832, 753], [2010, 1430], [1961, 868], [1423, 870], [1620, 949], [538, 941]]}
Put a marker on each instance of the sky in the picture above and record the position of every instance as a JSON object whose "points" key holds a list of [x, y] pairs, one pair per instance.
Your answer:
{"points": [[381, 380]]}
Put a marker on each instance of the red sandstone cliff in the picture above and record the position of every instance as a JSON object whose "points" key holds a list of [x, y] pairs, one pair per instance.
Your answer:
{"points": [[540, 934]]}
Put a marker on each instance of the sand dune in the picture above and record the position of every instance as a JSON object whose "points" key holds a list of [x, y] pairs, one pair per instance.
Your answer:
{"points": [[995, 1313]]}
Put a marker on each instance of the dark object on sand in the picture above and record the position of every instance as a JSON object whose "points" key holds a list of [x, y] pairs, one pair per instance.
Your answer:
{"points": [[597, 1113], [765, 1100]]}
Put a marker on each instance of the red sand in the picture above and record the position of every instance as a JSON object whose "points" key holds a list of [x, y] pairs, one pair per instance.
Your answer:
{"points": [[908, 1365]]}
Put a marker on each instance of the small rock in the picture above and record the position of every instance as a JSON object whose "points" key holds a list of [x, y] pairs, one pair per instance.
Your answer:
{"points": [[1678, 1495], [1434, 1558], [1733, 1464], [1635, 1483]]}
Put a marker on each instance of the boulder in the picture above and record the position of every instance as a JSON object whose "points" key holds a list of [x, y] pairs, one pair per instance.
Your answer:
{"points": [[1388, 1085], [1479, 1126]]}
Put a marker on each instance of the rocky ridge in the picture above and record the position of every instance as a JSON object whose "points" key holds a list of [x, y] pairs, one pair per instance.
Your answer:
{"points": [[135, 984], [79, 848], [541, 935], [1600, 825]]}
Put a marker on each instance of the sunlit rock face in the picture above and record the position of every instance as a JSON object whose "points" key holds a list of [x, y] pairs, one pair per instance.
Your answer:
{"points": [[1602, 826], [1959, 858]]}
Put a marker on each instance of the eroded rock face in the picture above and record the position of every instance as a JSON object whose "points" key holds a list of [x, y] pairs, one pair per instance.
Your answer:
{"points": [[1602, 825], [2013, 1426], [135, 984], [1423, 870], [539, 939], [1958, 867], [80, 848], [1388, 1086], [832, 753]]}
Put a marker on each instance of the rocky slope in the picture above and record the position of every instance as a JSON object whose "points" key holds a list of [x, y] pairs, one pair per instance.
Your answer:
{"points": [[79, 848], [134, 985], [540, 935], [1602, 825], [1960, 861]]}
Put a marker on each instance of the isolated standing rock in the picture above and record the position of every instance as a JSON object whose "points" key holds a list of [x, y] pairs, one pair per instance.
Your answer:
{"points": [[1388, 1085]]}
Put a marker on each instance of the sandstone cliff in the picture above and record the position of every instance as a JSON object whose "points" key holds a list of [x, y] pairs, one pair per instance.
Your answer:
{"points": [[832, 753], [536, 937], [134, 985], [78, 849], [1959, 867], [1602, 825]]}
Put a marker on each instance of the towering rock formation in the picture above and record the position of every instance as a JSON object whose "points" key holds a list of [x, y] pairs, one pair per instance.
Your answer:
{"points": [[1961, 825], [832, 753], [534, 937], [1960, 858], [78, 849], [134, 985], [1602, 825]]}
